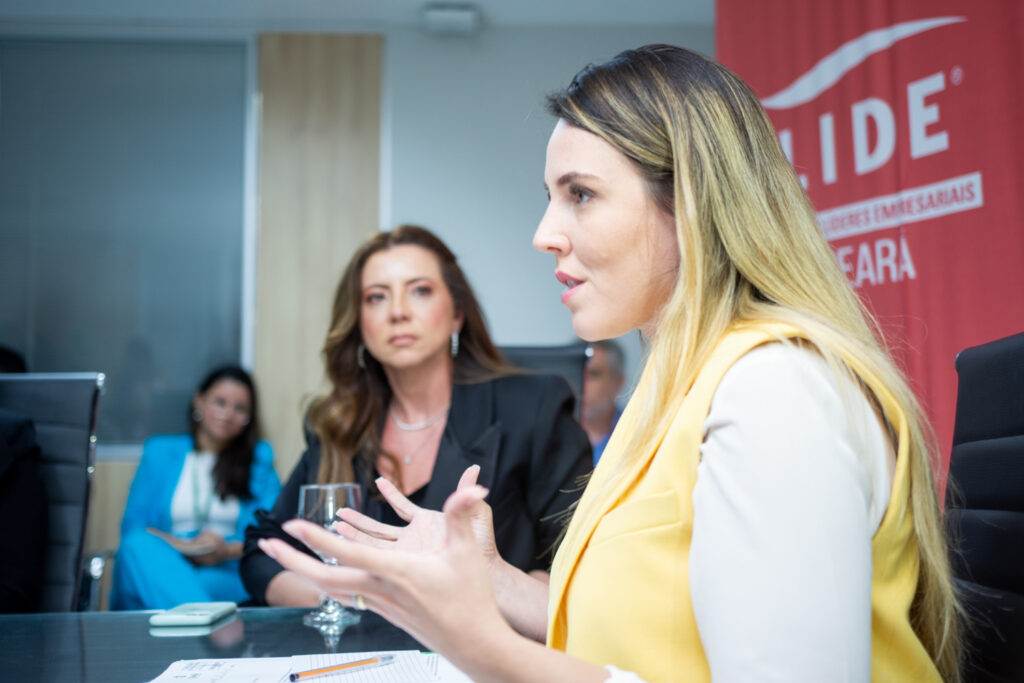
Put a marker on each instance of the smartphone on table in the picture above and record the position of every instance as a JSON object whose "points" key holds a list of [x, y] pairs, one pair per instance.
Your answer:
{"points": [[193, 614]]}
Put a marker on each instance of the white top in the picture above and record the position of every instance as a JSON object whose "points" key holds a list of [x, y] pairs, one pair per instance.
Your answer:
{"points": [[794, 480], [196, 506]]}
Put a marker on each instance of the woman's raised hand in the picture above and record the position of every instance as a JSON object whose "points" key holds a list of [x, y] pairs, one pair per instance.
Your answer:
{"points": [[426, 529], [432, 582]]}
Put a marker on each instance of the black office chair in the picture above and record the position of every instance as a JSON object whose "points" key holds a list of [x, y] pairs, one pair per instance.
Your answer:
{"points": [[985, 507], [63, 407], [567, 361]]}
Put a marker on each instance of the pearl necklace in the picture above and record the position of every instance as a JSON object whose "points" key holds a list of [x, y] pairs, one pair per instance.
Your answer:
{"points": [[418, 426]]}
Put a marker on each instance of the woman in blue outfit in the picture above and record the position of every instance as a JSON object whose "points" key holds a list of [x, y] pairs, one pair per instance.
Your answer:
{"points": [[192, 497]]}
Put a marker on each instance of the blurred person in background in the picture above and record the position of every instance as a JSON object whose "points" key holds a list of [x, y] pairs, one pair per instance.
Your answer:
{"points": [[191, 499], [24, 513], [11, 361], [603, 379]]}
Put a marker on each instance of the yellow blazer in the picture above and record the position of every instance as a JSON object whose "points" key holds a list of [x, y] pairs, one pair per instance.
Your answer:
{"points": [[620, 591]]}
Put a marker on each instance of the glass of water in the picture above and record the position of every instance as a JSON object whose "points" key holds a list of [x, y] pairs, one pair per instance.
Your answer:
{"points": [[319, 503]]}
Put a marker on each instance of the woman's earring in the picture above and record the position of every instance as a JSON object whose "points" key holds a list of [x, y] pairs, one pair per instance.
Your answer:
{"points": [[360, 356], [196, 415], [455, 344]]}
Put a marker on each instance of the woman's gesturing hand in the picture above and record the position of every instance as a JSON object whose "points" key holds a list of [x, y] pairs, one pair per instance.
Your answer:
{"points": [[432, 582], [425, 531]]}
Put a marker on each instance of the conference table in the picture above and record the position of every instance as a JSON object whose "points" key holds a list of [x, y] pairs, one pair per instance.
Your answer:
{"points": [[110, 647]]}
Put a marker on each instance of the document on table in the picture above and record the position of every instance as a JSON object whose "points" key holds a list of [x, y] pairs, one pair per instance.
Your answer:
{"points": [[409, 666]]}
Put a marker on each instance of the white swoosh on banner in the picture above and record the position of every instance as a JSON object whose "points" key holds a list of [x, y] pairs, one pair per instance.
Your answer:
{"points": [[834, 66]]}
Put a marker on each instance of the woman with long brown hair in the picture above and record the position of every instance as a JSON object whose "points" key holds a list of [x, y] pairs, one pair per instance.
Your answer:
{"points": [[419, 393]]}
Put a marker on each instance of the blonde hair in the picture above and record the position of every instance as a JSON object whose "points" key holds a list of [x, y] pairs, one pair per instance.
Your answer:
{"points": [[750, 250]]}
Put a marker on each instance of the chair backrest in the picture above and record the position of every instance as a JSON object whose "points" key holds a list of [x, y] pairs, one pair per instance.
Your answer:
{"points": [[63, 407], [567, 361], [985, 507]]}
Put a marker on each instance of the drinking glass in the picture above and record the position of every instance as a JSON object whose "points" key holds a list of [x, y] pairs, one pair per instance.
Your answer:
{"points": [[319, 503]]}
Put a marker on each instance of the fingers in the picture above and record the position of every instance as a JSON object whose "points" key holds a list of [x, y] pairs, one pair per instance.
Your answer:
{"points": [[399, 503], [328, 578], [465, 499], [354, 555], [407, 510], [339, 582], [459, 510], [469, 477], [350, 533], [366, 525]]}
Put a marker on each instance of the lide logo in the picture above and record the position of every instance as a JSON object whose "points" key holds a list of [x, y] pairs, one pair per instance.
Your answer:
{"points": [[872, 126]]}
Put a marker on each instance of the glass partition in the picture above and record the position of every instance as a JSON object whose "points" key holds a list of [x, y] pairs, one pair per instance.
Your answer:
{"points": [[121, 217]]}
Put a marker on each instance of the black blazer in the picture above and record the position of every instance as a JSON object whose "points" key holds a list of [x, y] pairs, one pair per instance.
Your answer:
{"points": [[531, 451]]}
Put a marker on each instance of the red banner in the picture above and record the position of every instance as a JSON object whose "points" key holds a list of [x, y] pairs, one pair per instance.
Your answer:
{"points": [[904, 121]]}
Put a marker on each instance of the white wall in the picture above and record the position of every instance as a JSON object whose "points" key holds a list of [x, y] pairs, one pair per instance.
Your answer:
{"points": [[468, 133]]}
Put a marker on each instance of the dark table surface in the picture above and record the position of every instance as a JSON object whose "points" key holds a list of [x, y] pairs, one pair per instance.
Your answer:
{"points": [[109, 647]]}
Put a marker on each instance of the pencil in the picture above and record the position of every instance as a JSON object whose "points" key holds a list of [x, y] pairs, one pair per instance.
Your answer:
{"points": [[359, 664]]}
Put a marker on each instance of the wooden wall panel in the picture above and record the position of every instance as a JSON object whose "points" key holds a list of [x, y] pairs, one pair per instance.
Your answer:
{"points": [[110, 484], [319, 187]]}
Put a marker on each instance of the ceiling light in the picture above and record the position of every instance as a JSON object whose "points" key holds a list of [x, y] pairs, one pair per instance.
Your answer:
{"points": [[450, 19]]}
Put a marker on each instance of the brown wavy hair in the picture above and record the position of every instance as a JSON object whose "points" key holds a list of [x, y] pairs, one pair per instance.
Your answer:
{"points": [[348, 419], [750, 249]]}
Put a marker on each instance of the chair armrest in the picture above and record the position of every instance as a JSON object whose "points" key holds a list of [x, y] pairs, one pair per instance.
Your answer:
{"points": [[94, 567]]}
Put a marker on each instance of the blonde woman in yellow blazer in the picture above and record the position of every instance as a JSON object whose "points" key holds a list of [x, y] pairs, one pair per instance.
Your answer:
{"points": [[765, 509]]}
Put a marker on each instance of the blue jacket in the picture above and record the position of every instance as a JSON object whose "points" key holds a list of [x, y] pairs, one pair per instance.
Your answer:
{"points": [[163, 458]]}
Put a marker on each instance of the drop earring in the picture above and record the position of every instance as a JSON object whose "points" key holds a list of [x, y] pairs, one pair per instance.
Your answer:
{"points": [[455, 344], [361, 356]]}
